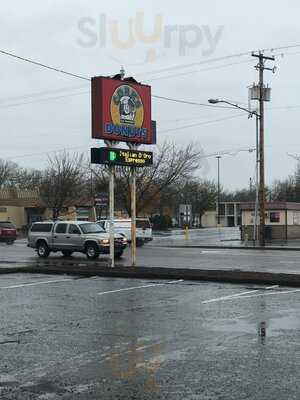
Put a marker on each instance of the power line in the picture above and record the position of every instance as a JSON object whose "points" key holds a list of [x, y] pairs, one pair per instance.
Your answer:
{"points": [[231, 152], [195, 71], [7, 53], [49, 152], [212, 60], [182, 66], [193, 103], [42, 100], [166, 69], [164, 131], [203, 123], [41, 93]]}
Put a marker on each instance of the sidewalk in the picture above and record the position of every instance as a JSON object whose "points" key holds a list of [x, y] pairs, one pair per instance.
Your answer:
{"points": [[229, 243]]}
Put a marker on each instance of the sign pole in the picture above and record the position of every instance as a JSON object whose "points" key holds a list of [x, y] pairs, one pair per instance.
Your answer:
{"points": [[111, 216], [133, 217], [111, 209], [133, 146]]}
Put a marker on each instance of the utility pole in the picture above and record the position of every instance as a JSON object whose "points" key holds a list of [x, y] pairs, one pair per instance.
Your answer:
{"points": [[264, 95], [218, 158]]}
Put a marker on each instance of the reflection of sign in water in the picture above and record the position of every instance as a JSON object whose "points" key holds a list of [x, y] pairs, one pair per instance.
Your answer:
{"points": [[134, 362]]}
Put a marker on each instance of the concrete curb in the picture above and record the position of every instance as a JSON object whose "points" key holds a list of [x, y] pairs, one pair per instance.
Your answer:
{"points": [[233, 276], [182, 246]]}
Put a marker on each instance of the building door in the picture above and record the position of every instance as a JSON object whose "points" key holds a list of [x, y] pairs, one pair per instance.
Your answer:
{"points": [[230, 221], [34, 215]]}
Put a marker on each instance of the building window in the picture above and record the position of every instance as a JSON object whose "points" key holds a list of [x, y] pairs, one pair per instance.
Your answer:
{"points": [[230, 209], [275, 216], [296, 218], [3, 210], [222, 209]]}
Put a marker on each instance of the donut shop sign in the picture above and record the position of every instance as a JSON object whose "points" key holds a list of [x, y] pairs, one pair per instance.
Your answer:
{"points": [[121, 110]]}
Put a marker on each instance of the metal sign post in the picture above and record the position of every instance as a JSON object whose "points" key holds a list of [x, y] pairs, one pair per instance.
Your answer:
{"points": [[111, 216], [111, 209], [133, 146], [133, 217]]}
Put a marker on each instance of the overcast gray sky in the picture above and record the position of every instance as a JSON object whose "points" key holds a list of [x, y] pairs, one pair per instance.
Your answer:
{"points": [[42, 110]]}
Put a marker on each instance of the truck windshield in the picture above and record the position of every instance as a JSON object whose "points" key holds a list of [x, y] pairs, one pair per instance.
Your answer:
{"points": [[91, 228]]}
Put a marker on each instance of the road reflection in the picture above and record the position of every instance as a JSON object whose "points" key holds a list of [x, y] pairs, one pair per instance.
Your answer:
{"points": [[140, 361]]}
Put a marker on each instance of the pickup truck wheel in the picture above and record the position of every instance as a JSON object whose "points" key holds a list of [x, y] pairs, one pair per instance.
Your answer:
{"points": [[67, 253], [42, 249], [140, 243], [10, 242], [92, 251]]}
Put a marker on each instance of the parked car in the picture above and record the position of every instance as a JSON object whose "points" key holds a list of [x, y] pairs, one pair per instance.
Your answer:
{"points": [[123, 227], [8, 232], [72, 236]]}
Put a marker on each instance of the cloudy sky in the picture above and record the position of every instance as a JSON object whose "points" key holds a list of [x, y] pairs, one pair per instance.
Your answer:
{"points": [[190, 51]]}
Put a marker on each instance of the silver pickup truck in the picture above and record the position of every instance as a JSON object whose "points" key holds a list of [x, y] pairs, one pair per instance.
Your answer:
{"points": [[72, 236]]}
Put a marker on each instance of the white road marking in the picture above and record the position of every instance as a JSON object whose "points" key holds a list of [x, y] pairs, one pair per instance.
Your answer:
{"points": [[35, 284], [242, 294], [138, 287], [272, 293]]}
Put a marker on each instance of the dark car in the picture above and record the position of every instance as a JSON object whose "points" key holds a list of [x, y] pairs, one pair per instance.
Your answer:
{"points": [[8, 232]]}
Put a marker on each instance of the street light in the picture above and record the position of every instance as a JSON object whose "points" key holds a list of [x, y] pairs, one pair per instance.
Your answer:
{"points": [[250, 115], [216, 101]]}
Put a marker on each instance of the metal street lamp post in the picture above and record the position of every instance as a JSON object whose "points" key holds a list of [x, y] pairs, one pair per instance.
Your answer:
{"points": [[218, 158], [250, 113]]}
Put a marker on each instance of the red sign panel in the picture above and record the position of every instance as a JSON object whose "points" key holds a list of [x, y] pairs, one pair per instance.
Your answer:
{"points": [[121, 110]]}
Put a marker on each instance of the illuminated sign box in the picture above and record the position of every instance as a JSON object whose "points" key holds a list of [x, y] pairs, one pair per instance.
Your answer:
{"points": [[124, 157], [121, 110]]}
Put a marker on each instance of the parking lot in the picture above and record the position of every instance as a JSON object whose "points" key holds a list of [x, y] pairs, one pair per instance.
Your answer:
{"points": [[64, 337]]}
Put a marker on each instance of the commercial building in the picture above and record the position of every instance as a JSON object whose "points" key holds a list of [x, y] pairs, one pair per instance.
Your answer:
{"points": [[230, 215], [282, 221], [23, 207]]}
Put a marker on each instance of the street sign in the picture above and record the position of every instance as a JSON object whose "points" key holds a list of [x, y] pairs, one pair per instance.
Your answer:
{"points": [[124, 157], [101, 200]]}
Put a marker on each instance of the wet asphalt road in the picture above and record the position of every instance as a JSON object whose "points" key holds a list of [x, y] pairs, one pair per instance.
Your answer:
{"points": [[97, 338], [150, 255]]}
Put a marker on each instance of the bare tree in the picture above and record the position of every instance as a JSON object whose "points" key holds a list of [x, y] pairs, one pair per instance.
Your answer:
{"points": [[172, 164], [202, 195], [27, 178], [62, 181], [8, 170]]}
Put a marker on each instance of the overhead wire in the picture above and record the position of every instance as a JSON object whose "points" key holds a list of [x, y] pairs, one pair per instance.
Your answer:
{"points": [[31, 61], [39, 64], [4, 52]]}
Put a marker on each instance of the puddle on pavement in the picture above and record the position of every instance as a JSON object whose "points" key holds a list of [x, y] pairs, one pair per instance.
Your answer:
{"points": [[274, 326]]}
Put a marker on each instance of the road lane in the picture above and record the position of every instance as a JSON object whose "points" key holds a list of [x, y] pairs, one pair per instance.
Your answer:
{"points": [[227, 259]]}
